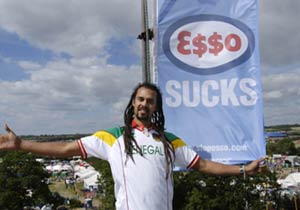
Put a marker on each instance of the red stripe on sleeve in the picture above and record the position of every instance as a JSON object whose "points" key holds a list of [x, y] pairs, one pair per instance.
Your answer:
{"points": [[82, 149], [194, 161]]}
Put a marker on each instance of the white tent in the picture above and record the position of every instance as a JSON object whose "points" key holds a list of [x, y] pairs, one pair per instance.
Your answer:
{"points": [[292, 180], [91, 182], [49, 168], [85, 173], [57, 168], [83, 167], [66, 167]]}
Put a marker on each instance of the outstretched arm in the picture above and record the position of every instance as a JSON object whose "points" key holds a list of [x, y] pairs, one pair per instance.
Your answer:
{"points": [[10, 141], [211, 167]]}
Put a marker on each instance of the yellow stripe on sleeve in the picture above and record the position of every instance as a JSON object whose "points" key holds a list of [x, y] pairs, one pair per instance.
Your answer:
{"points": [[106, 137], [178, 143]]}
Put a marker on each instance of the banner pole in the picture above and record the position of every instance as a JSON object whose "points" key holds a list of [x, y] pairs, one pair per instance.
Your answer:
{"points": [[146, 47]]}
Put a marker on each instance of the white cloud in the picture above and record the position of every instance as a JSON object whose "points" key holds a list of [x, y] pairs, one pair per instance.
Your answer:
{"points": [[29, 66], [279, 31], [79, 28], [69, 93], [85, 93], [282, 97], [80, 94], [272, 95], [279, 40]]}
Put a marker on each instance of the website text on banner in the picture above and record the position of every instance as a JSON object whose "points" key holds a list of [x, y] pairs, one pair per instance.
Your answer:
{"points": [[209, 72]]}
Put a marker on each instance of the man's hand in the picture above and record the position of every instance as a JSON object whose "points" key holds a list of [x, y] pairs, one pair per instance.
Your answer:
{"points": [[255, 166], [9, 141]]}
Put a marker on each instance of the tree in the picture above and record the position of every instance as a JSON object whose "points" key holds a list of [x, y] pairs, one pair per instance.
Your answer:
{"points": [[23, 182], [106, 183], [203, 192], [193, 190], [285, 146]]}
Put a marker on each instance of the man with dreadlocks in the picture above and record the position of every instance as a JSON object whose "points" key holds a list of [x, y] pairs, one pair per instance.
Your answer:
{"points": [[141, 154]]}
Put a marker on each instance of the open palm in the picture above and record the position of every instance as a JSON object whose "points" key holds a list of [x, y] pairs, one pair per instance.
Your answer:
{"points": [[9, 141]]}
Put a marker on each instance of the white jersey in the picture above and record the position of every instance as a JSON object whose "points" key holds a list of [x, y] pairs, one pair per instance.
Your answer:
{"points": [[142, 184]]}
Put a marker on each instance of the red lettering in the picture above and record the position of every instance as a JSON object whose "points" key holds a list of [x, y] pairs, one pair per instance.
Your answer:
{"points": [[198, 45], [183, 43], [233, 42]]}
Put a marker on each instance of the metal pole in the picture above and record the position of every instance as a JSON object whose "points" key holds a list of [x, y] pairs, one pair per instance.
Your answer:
{"points": [[295, 201], [146, 47]]}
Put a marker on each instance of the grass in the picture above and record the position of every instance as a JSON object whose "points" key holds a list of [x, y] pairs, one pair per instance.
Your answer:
{"points": [[72, 193]]}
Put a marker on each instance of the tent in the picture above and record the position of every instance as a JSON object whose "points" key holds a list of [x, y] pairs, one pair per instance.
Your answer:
{"points": [[84, 174], [291, 181], [91, 182]]}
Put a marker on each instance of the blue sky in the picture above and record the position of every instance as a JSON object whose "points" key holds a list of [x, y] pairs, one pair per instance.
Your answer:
{"points": [[71, 69], [12, 47]]}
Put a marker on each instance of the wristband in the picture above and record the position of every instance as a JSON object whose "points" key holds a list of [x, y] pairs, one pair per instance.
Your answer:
{"points": [[242, 171]]}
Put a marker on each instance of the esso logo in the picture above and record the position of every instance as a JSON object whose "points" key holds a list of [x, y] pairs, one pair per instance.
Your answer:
{"points": [[208, 44]]}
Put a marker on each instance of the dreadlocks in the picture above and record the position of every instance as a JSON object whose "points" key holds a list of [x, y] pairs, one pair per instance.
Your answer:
{"points": [[157, 119]]}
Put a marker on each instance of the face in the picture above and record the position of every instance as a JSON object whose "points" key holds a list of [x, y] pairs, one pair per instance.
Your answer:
{"points": [[144, 105]]}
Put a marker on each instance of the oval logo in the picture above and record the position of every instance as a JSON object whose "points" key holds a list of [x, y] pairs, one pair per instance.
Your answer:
{"points": [[208, 44]]}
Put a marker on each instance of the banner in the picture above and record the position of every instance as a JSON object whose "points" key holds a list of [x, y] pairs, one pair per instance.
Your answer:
{"points": [[208, 70]]}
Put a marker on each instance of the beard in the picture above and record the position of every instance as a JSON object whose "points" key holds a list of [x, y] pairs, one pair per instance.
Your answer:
{"points": [[143, 118], [143, 114]]}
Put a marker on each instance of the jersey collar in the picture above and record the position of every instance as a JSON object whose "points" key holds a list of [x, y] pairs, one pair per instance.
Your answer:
{"points": [[141, 127]]}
